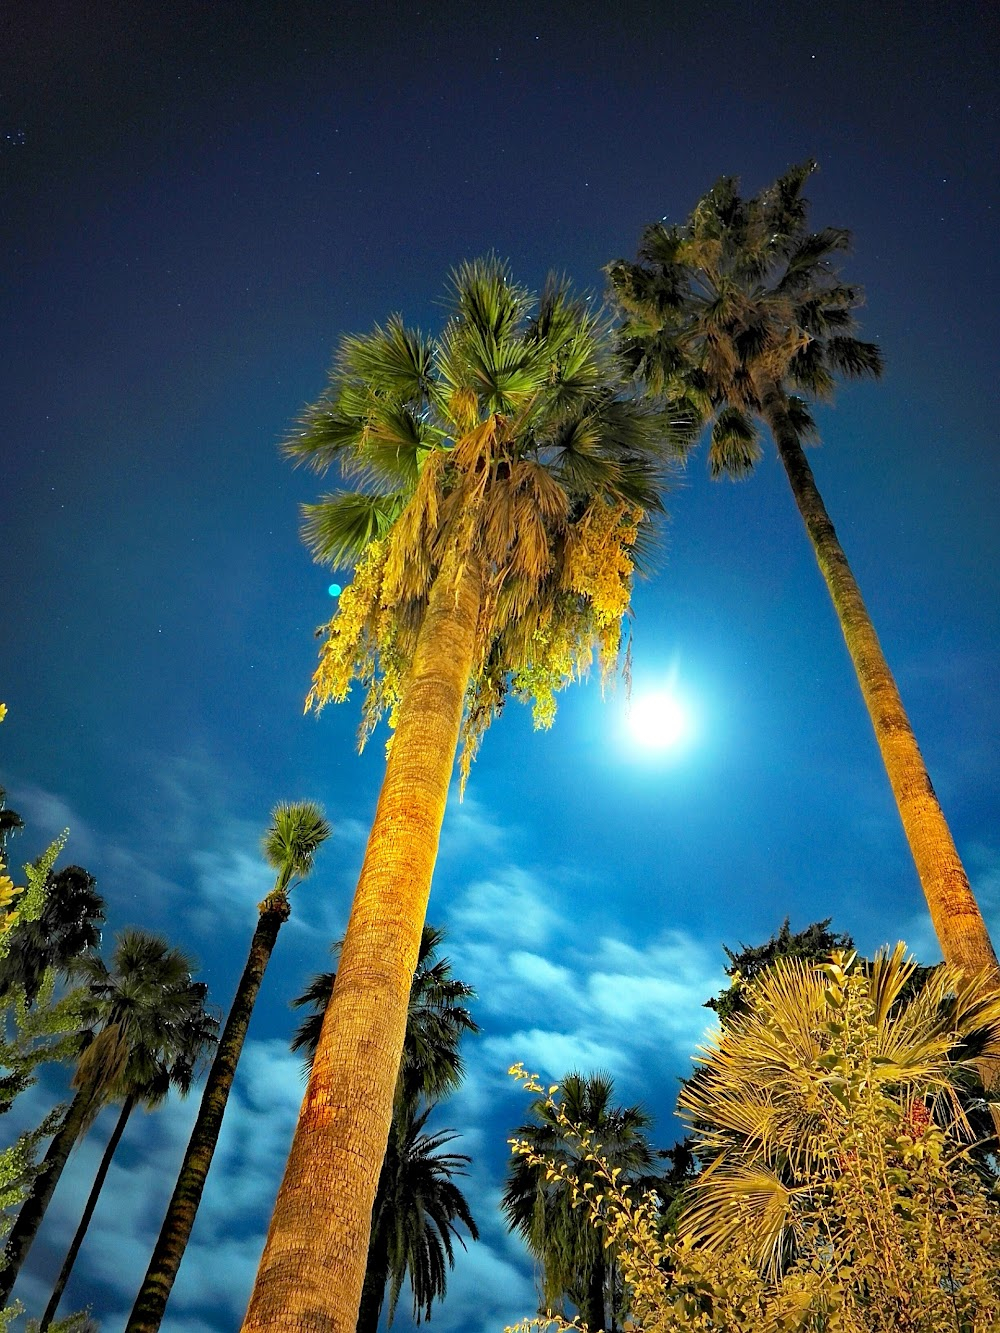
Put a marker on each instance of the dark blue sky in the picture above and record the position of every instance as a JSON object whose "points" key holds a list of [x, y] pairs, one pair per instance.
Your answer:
{"points": [[198, 200]]}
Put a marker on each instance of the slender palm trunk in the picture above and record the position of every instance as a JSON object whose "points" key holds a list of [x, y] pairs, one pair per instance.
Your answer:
{"points": [[312, 1270], [128, 1106], [29, 1219], [183, 1207], [376, 1265], [955, 913], [592, 1312]]}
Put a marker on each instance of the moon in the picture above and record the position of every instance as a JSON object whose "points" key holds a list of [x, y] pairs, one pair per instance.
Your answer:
{"points": [[658, 720]]}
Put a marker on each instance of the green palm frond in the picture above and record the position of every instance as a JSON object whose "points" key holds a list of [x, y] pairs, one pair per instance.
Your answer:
{"points": [[340, 527], [735, 445], [296, 833]]}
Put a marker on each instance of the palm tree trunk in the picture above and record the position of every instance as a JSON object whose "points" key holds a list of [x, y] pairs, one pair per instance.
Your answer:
{"points": [[592, 1313], [376, 1265], [313, 1266], [128, 1106], [183, 1207], [29, 1219], [955, 913]]}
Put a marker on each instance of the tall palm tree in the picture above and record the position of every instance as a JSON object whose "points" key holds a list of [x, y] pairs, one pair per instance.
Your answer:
{"points": [[415, 1197], [68, 926], [146, 1081], [508, 485], [431, 1064], [575, 1262], [741, 314], [296, 833], [135, 1013]]}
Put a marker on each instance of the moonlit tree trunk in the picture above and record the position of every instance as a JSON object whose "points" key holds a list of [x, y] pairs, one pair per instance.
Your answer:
{"points": [[183, 1207], [29, 1219], [128, 1106], [954, 911], [313, 1267]]}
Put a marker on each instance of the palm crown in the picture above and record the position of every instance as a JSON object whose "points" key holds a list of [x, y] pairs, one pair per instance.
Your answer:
{"points": [[296, 833], [739, 300], [149, 1021], [505, 441]]}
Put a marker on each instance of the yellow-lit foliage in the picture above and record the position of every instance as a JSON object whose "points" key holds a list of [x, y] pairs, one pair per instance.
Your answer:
{"points": [[841, 1198], [509, 444]]}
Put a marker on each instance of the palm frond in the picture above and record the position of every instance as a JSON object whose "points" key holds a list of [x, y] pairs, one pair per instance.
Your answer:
{"points": [[341, 526]]}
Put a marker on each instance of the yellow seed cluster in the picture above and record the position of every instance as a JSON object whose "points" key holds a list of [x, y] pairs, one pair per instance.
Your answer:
{"points": [[599, 566], [352, 634]]}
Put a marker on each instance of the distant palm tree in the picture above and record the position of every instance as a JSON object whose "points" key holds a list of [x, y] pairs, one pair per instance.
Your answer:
{"points": [[136, 1013], [414, 1219], [737, 313], [195, 1035], [415, 1201], [10, 823], [290, 845], [506, 485], [576, 1265], [68, 926]]}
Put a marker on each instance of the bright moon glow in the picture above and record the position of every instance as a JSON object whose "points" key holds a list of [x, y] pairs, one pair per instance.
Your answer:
{"points": [[657, 720]]}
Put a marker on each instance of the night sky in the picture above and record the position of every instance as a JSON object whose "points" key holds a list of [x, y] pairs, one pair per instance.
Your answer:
{"points": [[198, 200]]}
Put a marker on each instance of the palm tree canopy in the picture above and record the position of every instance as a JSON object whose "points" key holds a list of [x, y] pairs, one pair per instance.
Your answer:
{"points": [[423, 1208], [431, 1064], [542, 1209], [10, 823], [147, 1019], [505, 442], [740, 297], [775, 1097], [296, 833], [68, 925]]}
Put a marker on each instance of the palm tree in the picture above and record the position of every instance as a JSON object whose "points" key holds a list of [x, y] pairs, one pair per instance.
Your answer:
{"points": [[415, 1198], [136, 1013], [738, 313], [417, 1207], [296, 833], [10, 823], [576, 1265], [816, 1104], [67, 927], [431, 1065], [508, 486], [146, 1081]]}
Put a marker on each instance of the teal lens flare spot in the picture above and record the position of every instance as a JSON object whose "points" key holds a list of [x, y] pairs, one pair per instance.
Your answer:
{"points": [[335, 590]]}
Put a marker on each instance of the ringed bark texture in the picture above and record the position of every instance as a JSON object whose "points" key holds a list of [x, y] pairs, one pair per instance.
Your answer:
{"points": [[313, 1267], [175, 1232], [29, 1219], [958, 922], [128, 1106]]}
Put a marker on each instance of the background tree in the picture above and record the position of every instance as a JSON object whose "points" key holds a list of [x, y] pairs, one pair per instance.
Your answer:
{"points": [[416, 1202], [848, 1074], [508, 487], [133, 1009], [740, 314], [576, 1265], [147, 1079], [815, 944], [69, 925], [10, 823], [296, 833]]}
